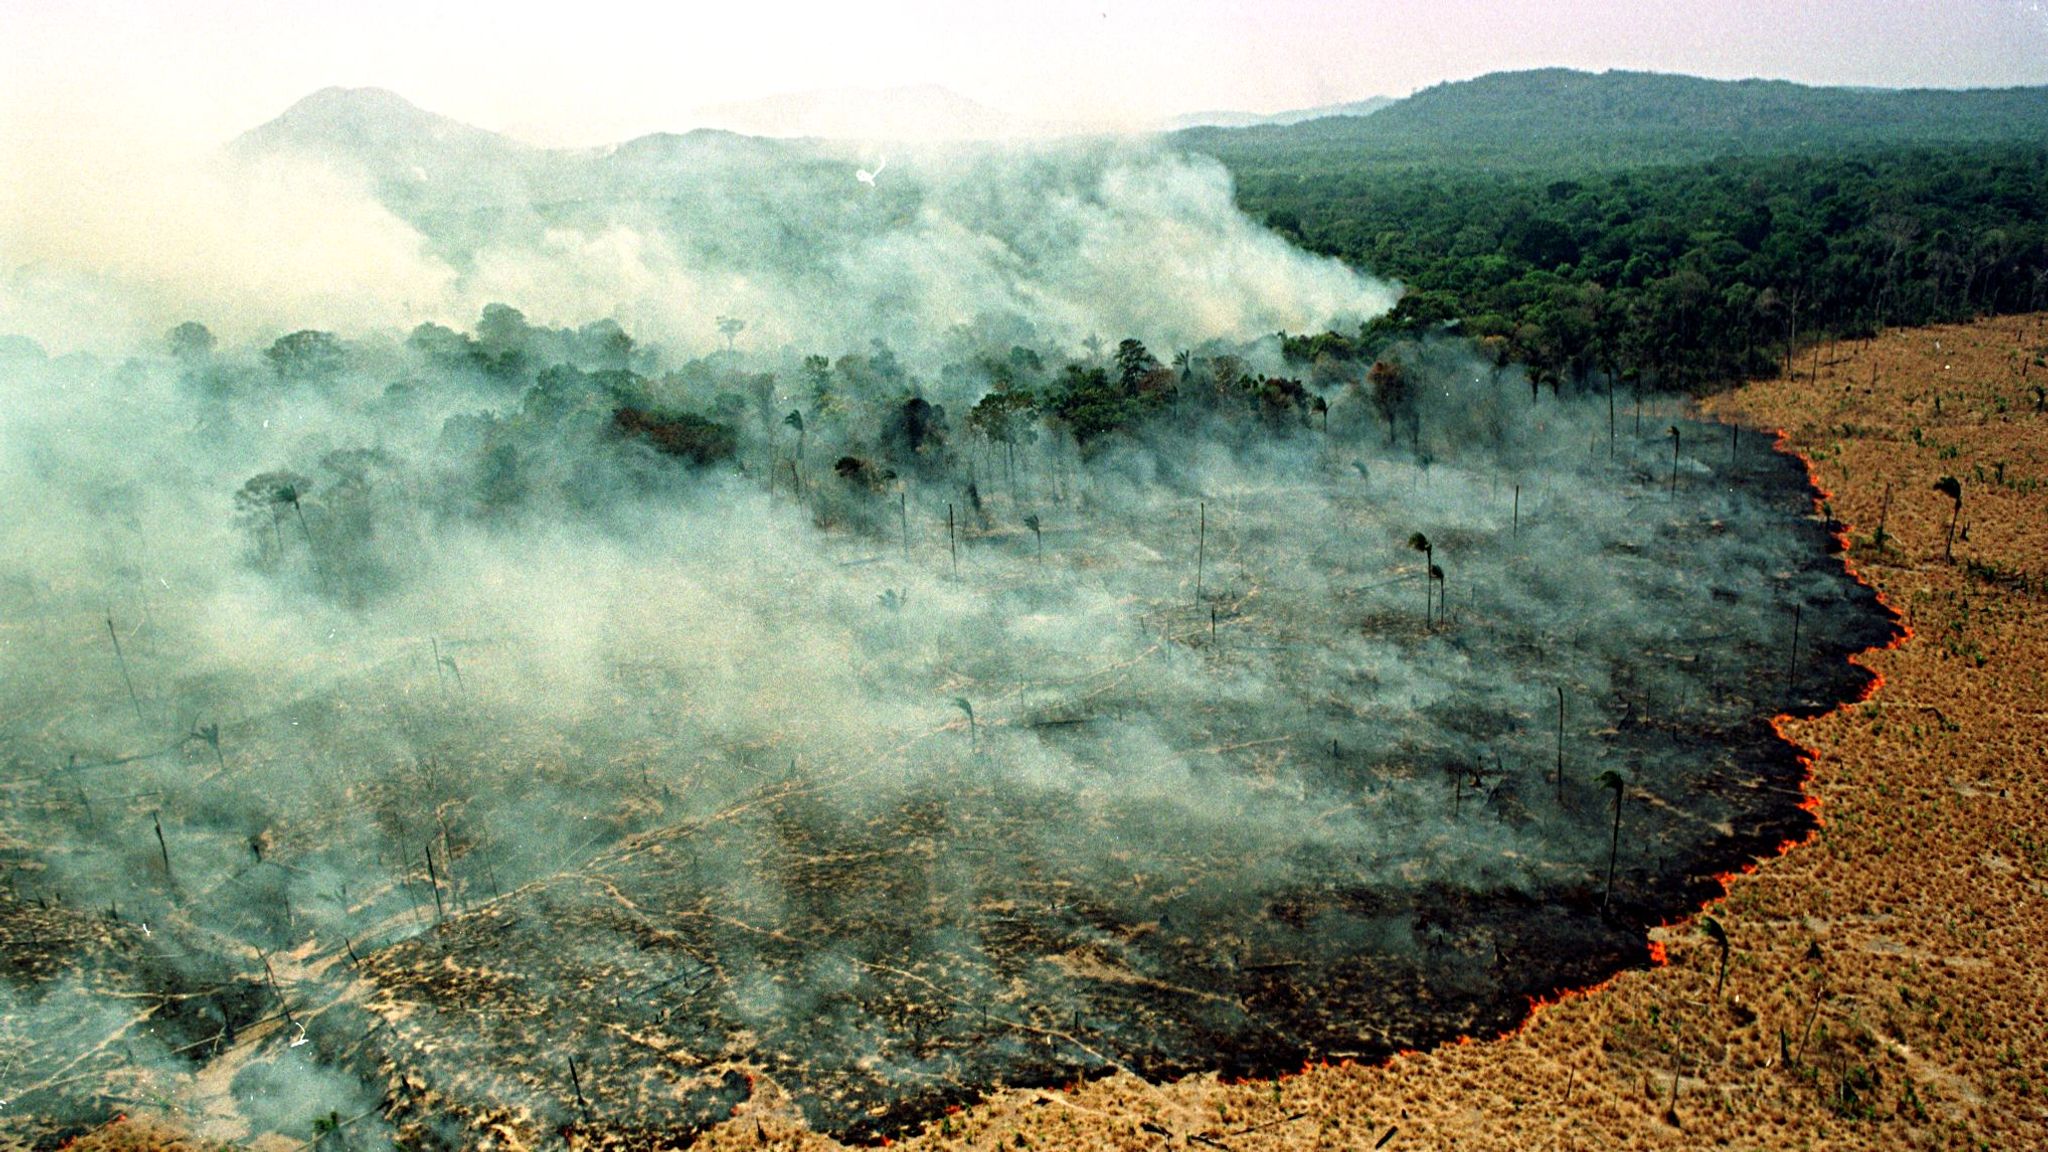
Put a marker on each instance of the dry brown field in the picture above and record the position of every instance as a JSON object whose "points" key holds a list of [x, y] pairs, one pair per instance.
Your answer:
{"points": [[1886, 981]]}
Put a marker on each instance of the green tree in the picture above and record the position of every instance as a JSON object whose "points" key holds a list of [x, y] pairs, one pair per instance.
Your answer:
{"points": [[442, 347], [1391, 394], [505, 341], [1006, 417], [604, 346], [1133, 364], [191, 342], [1091, 405], [307, 355]]}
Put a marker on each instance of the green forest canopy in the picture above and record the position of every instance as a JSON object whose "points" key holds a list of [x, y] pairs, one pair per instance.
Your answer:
{"points": [[1774, 213]]}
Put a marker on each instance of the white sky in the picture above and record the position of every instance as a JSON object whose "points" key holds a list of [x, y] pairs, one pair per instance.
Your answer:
{"points": [[204, 70]]}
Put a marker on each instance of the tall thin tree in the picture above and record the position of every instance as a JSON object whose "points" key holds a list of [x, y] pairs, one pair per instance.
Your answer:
{"points": [[1612, 779], [1952, 488], [1420, 543], [1560, 743], [795, 420], [121, 659]]}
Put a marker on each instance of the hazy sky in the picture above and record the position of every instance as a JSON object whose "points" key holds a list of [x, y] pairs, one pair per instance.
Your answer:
{"points": [[198, 70]]}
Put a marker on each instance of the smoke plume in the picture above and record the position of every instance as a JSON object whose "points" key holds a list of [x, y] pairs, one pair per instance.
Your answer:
{"points": [[587, 629]]}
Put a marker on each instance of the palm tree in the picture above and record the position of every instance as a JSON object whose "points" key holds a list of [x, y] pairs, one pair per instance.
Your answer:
{"points": [[961, 703], [795, 420], [730, 327], [1612, 779], [289, 493], [1420, 543], [268, 494], [1952, 488]]}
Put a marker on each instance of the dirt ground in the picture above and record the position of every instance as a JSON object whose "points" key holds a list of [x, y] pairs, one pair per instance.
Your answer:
{"points": [[1884, 985]]}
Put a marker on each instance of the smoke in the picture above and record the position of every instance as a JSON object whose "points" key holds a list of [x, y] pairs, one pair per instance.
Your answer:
{"points": [[915, 686], [338, 217], [105, 252]]}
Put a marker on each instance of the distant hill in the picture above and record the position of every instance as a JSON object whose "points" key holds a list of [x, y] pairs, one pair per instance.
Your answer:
{"points": [[379, 129], [407, 153], [465, 188], [1365, 107], [1558, 117], [468, 191], [424, 165]]}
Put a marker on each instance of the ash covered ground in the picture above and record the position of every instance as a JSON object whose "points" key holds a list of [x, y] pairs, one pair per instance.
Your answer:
{"points": [[744, 823], [532, 727], [1181, 848]]}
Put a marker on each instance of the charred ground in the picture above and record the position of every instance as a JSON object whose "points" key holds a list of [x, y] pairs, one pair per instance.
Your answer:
{"points": [[1205, 770]]}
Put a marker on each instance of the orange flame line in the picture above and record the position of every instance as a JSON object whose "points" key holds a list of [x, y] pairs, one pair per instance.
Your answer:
{"points": [[1810, 802]]}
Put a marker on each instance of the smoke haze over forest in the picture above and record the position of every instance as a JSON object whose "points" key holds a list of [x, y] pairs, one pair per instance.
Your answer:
{"points": [[687, 608], [359, 211]]}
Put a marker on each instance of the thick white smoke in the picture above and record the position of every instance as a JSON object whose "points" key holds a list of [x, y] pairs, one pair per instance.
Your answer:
{"points": [[304, 225]]}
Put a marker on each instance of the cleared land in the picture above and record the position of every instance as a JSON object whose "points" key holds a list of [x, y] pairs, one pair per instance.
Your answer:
{"points": [[1883, 986], [1898, 953]]}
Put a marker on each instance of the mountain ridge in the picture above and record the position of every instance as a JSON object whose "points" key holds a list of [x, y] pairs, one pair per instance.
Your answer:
{"points": [[1622, 118], [1524, 119], [366, 115], [1230, 118]]}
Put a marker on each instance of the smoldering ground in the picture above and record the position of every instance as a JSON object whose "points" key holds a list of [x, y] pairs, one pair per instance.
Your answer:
{"points": [[554, 724]]}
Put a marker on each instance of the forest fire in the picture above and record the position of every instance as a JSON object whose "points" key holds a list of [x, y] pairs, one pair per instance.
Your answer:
{"points": [[519, 729], [885, 952], [1095, 984]]}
